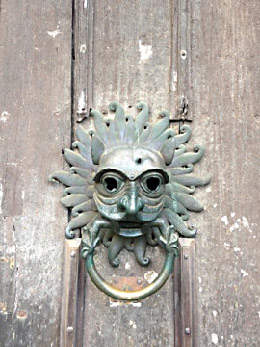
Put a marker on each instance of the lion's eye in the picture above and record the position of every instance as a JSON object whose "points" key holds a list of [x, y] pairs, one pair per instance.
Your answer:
{"points": [[112, 183], [152, 183]]}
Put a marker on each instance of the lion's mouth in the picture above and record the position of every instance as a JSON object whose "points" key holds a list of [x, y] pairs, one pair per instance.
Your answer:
{"points": [[130, 229]]}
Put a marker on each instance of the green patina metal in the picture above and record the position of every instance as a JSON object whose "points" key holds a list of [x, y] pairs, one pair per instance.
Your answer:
{"points": [[130, 185]]}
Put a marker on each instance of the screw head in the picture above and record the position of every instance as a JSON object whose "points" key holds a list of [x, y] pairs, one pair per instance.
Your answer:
{"points": [[69, 330], [186, 256], [139, 281], [72, 254], [187, 331]]}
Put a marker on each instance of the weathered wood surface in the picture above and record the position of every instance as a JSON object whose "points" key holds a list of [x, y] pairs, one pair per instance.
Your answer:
{"points": [[225, 101], [222, 83], [129, 51], [123, 52], [35, 58]]}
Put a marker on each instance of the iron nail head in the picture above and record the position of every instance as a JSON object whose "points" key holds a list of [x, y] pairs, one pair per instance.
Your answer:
{"points": [[69, 330], [187, 331]]}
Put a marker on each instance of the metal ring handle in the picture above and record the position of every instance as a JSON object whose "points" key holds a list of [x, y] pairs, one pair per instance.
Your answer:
{"points": [[127, 295]]}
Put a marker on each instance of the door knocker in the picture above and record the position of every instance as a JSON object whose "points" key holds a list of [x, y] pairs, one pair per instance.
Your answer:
{"points": [[130, 185]]}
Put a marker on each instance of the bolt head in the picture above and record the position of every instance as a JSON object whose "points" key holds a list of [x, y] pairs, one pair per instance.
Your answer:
{"points": [[186, 256], [72, 254], [69, 330], [187, 331]]}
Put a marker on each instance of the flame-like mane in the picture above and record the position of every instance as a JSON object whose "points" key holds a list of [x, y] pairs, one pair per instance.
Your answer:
{"points": [[124, 130]]}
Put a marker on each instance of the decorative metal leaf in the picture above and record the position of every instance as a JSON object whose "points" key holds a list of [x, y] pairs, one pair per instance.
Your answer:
{"points": [[180, 188], [189, 202], [192, 180], [182, 149], [145, 133], [84, 138], [73, 200], [83, 207], [76, 159], [178, 223], [159, 127], [168, 150], [181, 170], [139, 250], [78, 222], [129, 130], [82, 150], [159, 142], [119, 119], [100, 126], [114, 249], [142, 117], [188, 158], [185, 134], [67, 179], [75, 190], [97, 149], [83, 173]]}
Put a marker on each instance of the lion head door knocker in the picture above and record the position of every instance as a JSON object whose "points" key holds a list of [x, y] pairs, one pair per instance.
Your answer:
{"points": [[130, 185]]}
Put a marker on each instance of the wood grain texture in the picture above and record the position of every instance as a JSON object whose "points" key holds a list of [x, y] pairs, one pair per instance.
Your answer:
{"points": [[225, 101], [222, 85], [129, 51], [125, 51], [35, 57]]}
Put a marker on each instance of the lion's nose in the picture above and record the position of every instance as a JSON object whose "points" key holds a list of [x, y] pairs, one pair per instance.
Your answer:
{"points": [[131, 202], [130, 205]]}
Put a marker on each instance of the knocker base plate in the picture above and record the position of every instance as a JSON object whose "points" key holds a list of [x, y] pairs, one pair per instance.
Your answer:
{"points": [[73, 292], [128, 283]]}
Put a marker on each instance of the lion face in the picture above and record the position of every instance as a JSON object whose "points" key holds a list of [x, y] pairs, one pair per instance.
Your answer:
{"points": [[132, 173], [131, 191], [119, 199]]}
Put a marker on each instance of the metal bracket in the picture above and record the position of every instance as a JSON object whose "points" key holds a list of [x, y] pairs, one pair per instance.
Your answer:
{"points": [[184, 295], [70, 293]]}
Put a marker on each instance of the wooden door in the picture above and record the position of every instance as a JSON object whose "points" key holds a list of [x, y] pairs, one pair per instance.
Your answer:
{"points": [[200, 61]]}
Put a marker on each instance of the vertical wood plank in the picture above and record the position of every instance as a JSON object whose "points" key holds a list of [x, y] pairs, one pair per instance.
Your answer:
{"points": [[35, 99], [183, 59], [124, 52], [225, 100]]}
